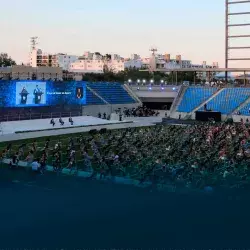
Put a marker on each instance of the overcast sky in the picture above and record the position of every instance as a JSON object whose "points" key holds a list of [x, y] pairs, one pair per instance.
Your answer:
{"points": [[192, 28]]}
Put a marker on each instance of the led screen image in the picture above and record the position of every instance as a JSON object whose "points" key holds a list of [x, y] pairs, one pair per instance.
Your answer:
{"points": [[41, 93]]}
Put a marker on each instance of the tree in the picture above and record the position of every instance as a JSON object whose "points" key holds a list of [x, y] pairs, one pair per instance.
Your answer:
{"points": [[6, 61], [107, 57]]}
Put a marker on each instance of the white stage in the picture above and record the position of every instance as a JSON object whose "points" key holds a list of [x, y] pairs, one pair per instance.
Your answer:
{"points": [[42, 127], [44, 124]]}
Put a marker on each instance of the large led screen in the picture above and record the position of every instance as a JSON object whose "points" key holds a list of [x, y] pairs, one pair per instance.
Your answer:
{"points": [[41, 93]]}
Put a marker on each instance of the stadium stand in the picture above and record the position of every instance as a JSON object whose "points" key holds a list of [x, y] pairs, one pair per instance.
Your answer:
{"points": [[113, 93], [228, 100], [193, 97], [245, 110], [92, 99]]}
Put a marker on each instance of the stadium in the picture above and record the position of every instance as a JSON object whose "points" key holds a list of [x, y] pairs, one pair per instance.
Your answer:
{"points": [[84, 135], [133, 164], [59, 134]]}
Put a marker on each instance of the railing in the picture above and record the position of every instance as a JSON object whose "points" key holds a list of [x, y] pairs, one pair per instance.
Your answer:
{"points": [[198, 84], [33, 116]]}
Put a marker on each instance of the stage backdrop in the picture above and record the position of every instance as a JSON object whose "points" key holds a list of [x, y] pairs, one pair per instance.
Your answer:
{"points": [[41, 93]]}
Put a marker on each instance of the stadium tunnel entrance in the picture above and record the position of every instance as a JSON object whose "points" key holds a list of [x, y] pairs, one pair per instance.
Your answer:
{"points": [[158, 105]]}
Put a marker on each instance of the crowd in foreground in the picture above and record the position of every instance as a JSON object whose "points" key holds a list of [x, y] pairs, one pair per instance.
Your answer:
{"points": [[193, 156]]}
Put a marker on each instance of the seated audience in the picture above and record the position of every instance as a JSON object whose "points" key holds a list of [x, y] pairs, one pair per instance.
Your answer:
{"points": [[192, 156], [36, 166], [14, 161]]}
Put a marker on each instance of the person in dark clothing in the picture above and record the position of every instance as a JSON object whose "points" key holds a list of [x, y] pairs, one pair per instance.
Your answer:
{"points": [[61, 121], [52, 122], [21, 149], [43, 164], [205, 107], [99, 115], [24, 95], [57, 163], [14, 161], [71, 121], [38, 95], [9, 147], [47, 143]]}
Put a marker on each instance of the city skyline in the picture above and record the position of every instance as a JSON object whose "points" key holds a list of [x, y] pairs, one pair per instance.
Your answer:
{"points": [[194, 29]]}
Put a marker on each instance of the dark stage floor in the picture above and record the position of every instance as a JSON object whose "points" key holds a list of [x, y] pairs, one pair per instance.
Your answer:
{"points": [[65, 213]]}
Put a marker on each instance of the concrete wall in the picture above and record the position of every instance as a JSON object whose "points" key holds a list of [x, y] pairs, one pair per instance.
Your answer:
{"points": [[148, 93], [237, 118], [24, 72]]}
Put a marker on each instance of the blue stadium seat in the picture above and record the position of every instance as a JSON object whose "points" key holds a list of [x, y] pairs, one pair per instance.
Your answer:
{"points": [[193, 97], [228, 100], [245, 110], [93, 99], [113, 93]]}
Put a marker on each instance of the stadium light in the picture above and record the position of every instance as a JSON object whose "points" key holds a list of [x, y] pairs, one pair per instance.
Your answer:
{"points": [[129, 80], [152, 81], [138, 80], [144, 81], [162, 81], [174, 88]]}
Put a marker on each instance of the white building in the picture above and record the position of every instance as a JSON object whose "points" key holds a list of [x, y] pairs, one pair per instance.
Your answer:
{"points": [[38, 58], [96, 63], [135, 63], [160, 61], [64, 61], [135, 57]]}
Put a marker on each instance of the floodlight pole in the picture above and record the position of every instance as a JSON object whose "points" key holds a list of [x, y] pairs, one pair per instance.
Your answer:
{"points": [[226, 41], [235, 25]]}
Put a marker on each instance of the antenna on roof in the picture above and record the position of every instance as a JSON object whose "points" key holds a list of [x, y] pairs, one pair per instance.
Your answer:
{"points": [[153, 49], [33, 42]]}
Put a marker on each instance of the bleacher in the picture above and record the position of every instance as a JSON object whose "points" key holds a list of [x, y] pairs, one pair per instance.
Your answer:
{"points": [[113, 93], [193, 97], [228, 100], [245, 110], [93, 99]]}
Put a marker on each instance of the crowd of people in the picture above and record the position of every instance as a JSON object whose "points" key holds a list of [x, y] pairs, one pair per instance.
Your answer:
{"points": [[194, 155], [141, 111]]}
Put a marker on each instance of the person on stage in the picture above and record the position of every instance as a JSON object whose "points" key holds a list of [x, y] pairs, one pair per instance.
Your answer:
{"points": [[71, 121], [38, 95], [61, 121], [52, 121], [24, 95], [79, 93]]}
